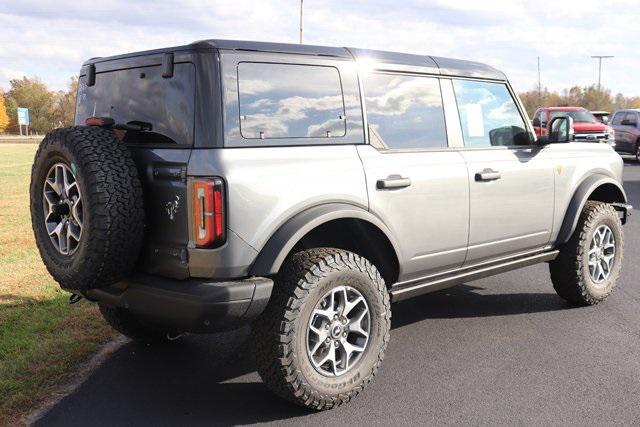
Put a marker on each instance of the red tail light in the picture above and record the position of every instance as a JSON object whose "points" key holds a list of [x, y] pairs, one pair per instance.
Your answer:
{"points": [[208, 212]]}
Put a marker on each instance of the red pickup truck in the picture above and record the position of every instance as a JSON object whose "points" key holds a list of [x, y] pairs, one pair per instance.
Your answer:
{"points": [[586, 127]]}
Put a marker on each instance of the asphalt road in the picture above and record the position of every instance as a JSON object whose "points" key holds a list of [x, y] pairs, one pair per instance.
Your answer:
{"points": [[503, 350]]}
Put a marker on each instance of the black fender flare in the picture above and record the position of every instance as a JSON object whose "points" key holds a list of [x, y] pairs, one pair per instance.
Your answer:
{"points": [[274, 252], [580, 197]]}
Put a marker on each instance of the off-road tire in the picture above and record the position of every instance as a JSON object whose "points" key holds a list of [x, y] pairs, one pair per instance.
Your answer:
{"points": [[133, 327], [113, 212], [279, 334], [570, 271]]}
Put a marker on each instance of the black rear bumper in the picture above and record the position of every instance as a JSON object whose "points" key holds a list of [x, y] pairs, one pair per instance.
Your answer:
{"points": [[193, 305]]}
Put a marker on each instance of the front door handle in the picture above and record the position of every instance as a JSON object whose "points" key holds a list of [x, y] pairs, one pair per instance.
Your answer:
{"points": [[393, 181], [488, 174]]}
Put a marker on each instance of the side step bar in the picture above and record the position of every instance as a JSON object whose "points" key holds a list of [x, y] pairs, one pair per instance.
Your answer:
{"points": [[404, 290]]}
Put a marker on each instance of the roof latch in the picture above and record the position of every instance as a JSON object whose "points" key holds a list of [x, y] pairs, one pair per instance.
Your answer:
{"points": [[167, 65], [91, 75]]}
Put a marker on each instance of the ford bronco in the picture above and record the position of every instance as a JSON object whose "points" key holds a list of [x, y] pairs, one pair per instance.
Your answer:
{"points": [[301, 190]]}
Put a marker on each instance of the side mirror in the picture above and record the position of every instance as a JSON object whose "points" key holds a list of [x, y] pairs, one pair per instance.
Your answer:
{"points": [[560, 131], [536, 122]]}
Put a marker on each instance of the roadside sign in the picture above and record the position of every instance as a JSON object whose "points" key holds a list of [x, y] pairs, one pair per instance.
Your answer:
{"points": [[23, 116]]}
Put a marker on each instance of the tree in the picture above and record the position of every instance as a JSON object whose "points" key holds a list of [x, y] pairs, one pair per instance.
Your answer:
{"points": [[65, 107], [4, 117], [589, 97], [33, 94]]}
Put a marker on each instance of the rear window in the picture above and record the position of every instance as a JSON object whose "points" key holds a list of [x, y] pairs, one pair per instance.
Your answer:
{"points": [[290, 101], [164, 106]]}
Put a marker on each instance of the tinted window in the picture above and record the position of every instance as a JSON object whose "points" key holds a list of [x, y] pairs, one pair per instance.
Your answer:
{"points": [[142, 95], [489, 115], [405, 111], [617, 118], [290, 101], [630, 119]]}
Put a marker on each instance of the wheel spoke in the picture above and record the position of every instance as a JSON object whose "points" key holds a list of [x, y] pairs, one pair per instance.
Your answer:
{"points": [[356, 324], [350, 305]]}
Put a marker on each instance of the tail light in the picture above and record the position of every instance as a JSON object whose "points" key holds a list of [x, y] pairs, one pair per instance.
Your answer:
{"points": [[208, 212]]}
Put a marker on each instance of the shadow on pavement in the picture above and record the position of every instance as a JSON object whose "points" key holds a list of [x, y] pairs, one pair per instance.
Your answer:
{"points": [[212, 379], [463, 301]]}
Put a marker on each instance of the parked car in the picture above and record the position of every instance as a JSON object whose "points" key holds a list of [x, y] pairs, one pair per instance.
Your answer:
{"points": [[602, 116], [302, 189], [625, 123], [585, 126]]}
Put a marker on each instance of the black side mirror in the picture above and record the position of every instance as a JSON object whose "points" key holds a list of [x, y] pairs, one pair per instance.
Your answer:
{"points": [[560, 131], [536, 122]]}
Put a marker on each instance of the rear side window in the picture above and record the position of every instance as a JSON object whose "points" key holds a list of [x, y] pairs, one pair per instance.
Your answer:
{"points": [[164, 106], [489, 115], [290, 101], [405, 111]]}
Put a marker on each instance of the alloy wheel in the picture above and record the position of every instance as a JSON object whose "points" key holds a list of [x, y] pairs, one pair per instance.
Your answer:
{"points": [[62, 205], [602, 253], [338, 331]]}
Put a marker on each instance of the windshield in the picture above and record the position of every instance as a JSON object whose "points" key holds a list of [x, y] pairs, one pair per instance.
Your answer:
{"points": [[576, 115]]}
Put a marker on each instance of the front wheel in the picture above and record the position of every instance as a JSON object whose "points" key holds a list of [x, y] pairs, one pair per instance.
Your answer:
{"points": [[588, 265], [323, 335]]}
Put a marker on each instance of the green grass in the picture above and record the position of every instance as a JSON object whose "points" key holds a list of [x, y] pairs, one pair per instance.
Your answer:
{"points": [[42, 338]]}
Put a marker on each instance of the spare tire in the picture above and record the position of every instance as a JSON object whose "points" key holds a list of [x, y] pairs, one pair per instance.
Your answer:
{"points": [[87, 210]]}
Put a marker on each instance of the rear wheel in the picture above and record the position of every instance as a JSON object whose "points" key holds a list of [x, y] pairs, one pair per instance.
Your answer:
{"points": [[638, 151], [323, 335], [589, 264]]}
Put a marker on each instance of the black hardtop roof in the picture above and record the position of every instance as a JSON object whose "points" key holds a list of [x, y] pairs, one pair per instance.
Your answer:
{"points": [[445, 66]]}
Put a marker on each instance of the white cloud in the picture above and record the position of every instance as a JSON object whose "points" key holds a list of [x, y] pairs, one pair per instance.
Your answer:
{"points": [[51, 39]]}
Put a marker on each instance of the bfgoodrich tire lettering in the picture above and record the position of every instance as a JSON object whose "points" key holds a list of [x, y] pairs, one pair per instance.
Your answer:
{"points": [[570, 272], [280, 334], [112, 207]]}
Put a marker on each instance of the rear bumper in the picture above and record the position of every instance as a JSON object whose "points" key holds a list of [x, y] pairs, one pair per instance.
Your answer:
{"points": [[194, 305]]}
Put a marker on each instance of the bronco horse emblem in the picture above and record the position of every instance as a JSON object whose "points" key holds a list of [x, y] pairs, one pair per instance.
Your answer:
{"points": [[172, 207]]}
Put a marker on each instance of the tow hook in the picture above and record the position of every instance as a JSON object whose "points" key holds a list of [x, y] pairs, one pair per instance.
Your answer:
{"points": [[74, 298]]}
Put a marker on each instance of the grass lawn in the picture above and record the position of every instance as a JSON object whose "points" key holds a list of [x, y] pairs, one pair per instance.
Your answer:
{"points": [[42, 337]]}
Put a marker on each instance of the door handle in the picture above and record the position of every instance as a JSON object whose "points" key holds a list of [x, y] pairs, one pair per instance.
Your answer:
{"points": [[393, 181], [488, 174]]}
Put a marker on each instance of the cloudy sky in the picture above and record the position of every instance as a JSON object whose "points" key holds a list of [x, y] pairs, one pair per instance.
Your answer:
{"points": [[50, 39]]}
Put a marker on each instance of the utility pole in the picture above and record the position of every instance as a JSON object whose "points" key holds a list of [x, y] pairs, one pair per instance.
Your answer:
{"points": [[600, 58], [539, 85], [301, 7]]}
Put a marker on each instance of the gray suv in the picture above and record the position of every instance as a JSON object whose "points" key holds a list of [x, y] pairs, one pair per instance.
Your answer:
{"points": [[625, 125], [301, 190]]}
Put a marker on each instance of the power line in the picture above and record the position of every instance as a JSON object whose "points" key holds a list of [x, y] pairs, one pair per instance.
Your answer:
{"points": [[600, 58]]}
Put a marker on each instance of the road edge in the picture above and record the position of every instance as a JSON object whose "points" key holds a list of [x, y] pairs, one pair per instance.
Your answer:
{"points": [[79, 377]]}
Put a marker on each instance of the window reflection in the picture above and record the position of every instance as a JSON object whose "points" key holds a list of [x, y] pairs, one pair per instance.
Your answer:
{"points": [[290, 101], [405, 111], [489, 115]]}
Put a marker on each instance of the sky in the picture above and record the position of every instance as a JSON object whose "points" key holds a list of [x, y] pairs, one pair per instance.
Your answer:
{"points": [[50, 39]]}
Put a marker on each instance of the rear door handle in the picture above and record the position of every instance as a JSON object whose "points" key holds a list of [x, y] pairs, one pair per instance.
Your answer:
{"points": [[488, 174], [393, 181]]}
